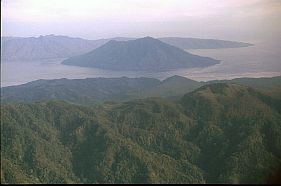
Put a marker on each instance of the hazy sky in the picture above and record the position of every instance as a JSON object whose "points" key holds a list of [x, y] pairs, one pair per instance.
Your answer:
{"points": [[224, 19]]}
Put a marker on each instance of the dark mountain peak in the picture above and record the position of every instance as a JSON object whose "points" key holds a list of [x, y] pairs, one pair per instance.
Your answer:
{"points": [[112, 41], [50, 35], [146, 43], [177, 80], [122, 38], [216, 87], [149, 40]]}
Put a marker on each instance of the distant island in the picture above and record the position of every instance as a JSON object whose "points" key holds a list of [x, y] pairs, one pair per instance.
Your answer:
{"points": [[145, 54], [57, 46]]}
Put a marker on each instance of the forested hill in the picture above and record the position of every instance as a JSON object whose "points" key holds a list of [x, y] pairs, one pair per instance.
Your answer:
{"points": [[219, 133]]}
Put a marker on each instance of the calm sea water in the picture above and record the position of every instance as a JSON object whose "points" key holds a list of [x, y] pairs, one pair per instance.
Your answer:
{"points": [[261, 60]]}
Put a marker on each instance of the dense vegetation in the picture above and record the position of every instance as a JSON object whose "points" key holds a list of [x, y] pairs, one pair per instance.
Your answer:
{"points": [[219, 133]]}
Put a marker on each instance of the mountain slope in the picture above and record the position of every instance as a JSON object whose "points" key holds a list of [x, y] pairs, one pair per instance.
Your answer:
{"points": [[145, 54], [79, 91], [218, 133]]}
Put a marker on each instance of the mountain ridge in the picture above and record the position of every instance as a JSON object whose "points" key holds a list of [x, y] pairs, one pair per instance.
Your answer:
{"points": [[98, 90]]}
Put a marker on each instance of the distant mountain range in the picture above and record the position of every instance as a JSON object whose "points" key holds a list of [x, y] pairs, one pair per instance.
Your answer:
{"points": [[52, 46], [145, 54]]}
